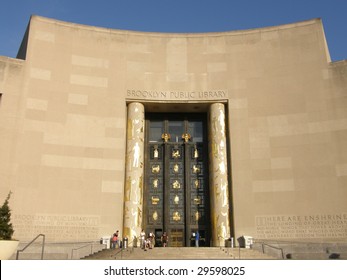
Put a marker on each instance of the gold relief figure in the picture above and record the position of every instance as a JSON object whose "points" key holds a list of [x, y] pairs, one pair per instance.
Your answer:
{"points": [[155, 153], [139, 217], [176, 168], [214, 125], [221, 120], [142, 127], [155, 183], [196, 183], [135, 195], [221, 168], [127, 192], [176, 199], [197, 216], [196, 152], [215, 150], [217, 190], [196, 169], [134, 128], [222, 144], [186, 137], [155, 216], [176, 216], [221, 230], [136, 216], [139, 193], [155, 168], [130, 129], [136, 158], [176, 184], [224, 191], [197, 200], [155, 200], [166, 137], [176, 154], [126, 212]]}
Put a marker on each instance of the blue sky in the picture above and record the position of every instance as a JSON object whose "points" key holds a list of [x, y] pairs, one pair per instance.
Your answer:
{"points": [[176, 16]]}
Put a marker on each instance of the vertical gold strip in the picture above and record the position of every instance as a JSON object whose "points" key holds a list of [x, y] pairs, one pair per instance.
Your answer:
{"points": [[219, 175], [133, 198]]}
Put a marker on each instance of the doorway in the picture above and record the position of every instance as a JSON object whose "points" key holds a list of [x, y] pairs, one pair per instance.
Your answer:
{"points": [[176, 183]]}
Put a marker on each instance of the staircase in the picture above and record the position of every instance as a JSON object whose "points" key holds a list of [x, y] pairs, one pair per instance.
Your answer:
{"points": [[179, 253], [304, 250], [58, 251]]}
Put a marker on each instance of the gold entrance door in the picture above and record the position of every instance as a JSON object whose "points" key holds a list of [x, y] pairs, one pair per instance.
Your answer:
{"points": [[176, 183], [176, 237]]}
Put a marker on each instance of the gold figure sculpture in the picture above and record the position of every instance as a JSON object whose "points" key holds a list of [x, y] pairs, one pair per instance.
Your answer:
{"points": [[176, 184], [155, 183], [196, 152], [196, 183], [176, 199], [155, 153], [222, 231], [136, 154], [155, 216], [155, 200], [176, 154], [155, 168], [166, 137], [186, 137], [197, 216], [196, 169], [176, 216], [197, 200], [176, 168]]}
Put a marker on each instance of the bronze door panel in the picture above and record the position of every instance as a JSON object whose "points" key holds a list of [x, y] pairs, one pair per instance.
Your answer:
{"points": [[176, 238], [176, 191]]}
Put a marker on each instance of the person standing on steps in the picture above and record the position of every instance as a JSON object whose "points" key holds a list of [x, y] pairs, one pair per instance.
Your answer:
{"points": [[115, 240], [197, 238], [151, 240], [142, 239], [164, 239]]}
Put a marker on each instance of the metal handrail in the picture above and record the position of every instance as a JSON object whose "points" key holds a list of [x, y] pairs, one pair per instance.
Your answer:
{"points": [[328, 248], [43, 245], [128, 246], [273, 247], [84, 246]]}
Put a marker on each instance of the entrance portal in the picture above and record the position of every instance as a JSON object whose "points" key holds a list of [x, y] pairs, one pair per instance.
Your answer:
{"points": [[176, 188]]}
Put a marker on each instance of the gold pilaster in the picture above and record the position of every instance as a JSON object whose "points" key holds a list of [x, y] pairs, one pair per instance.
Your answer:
{"points": [[219, 176], [133, 193]]}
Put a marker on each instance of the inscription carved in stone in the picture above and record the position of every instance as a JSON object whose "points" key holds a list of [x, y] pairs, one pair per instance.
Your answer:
{"points": [[302, 226], [68, 227]]}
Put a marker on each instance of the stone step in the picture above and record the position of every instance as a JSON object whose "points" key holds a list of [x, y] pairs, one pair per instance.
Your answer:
{"points": [[171, 253], [316, 256], [37, 256], [303, 250], [57, 251]]}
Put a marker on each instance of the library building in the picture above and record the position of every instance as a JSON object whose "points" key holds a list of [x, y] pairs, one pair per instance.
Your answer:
{"points": [[224, 134]]}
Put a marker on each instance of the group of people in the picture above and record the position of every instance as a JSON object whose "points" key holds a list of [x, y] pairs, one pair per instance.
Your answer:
{"points": [[149, 241]]}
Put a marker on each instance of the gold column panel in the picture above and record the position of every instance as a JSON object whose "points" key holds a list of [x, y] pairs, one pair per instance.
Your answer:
{"points": [[219, 175], [133, 198]]}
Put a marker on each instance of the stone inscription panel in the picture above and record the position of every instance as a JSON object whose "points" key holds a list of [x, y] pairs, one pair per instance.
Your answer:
{"points": [[57, 227], [302, 226], [177, 95]]}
